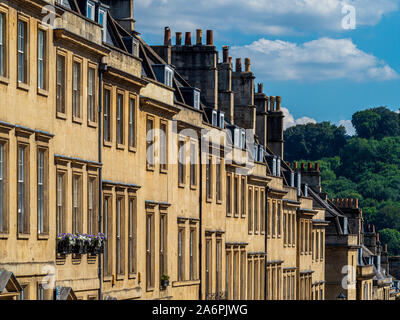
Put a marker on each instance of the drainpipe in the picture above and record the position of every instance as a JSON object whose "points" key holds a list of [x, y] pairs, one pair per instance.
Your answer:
{"points": [[266, 242], [102, 69], [201, 222]]}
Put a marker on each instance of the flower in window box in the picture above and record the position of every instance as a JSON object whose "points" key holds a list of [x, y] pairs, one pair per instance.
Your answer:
{"points": [[164, 281]]}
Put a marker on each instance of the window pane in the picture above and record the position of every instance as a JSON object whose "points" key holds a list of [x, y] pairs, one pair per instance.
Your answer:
{"points": [[163, 146], [41, 191], [21, 51], [2, 170], [41, 58], [120, 119], [60, 84], [91, 95], [21, 189], [76, 87], [2, 37], [131, 122], [107, 136]]}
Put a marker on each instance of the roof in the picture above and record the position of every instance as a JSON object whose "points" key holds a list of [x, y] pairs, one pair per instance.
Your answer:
{"points": [[326, 204], [8, 282]]}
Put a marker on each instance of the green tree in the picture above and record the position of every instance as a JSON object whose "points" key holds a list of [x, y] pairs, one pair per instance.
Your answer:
{"points": [[391, 237]]}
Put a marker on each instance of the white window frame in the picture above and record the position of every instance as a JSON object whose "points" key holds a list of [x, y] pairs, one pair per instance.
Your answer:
{"points": [[41, 44], [93, 10], [3, 29], [22, 44], [41, 190]]}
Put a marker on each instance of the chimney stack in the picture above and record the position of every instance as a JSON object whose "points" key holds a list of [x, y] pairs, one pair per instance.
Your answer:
{"points": [[309, 166], [272, 103], [247, 64], [210, 38], [167, 36], [188, 39], [238, 65], [278, 103], [225, 54], [199, 37], [178, 38]]}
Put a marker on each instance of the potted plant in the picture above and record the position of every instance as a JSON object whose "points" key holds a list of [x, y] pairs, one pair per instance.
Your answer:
{"points": [[96, 243], [164, 281], [79, 246], [65, 242]]}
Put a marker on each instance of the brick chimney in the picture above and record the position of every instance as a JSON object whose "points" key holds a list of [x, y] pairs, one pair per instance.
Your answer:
{"points": [[225, 54], [178, 38], [122, 11], [247, 64], [199, 37], [167, 36], [312, 177], [238, 65], [275, 126], [261, 102], [210, 38], [188, 39]]}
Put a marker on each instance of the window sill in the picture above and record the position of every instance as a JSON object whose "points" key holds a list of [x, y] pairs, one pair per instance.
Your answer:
{"points": [[107, 143], [4, 80], [120, 277], [120, 146], [77, 120], [163, 171], [229, 215], [42, 92], [132, 276], [209, 200], [150, 289], [92, 124], [23, 86], [107, 278], [181, 185], [219, 201], [192, 187], [61, 115], [132, 149], [22, 236], [185, 283], [150, 168], [43, 236], [3, 235]]}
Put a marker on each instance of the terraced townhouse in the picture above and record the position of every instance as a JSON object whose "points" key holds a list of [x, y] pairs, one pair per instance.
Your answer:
{"points": [[168, 151]]}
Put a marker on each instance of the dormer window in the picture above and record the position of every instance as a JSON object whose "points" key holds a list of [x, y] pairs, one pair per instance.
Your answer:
{"points": [[90, 10], [221, 120], [164, 74], [196, 99], [243, 139], [191, 96], [214, 118], [103, 23]]}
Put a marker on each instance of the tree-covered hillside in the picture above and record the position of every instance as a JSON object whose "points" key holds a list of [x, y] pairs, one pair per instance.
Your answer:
{"points": [[366, 166]]}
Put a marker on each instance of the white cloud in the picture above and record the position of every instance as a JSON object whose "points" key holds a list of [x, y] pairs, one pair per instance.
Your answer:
{"points": [[290, 121], [269, 17], [321, 59], [350, 130]]}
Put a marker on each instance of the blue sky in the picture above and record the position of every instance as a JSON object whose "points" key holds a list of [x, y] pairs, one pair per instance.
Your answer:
{"points": [[299, 48]]}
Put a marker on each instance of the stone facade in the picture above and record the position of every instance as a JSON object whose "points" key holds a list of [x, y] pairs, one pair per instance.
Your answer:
{"points": [[100, 132]]}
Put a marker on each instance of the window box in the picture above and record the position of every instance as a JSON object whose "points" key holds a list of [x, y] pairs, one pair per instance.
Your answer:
{"points": [[80, 244]]}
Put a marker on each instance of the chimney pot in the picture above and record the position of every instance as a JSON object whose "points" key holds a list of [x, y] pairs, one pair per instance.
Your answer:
{"points": [[247, 63], [225, 53], [377, 237], [309, 167], [238, 65], [295, 166], [231, 61], [178, 38], [210, 38], [302, 167], [356, 203], [346, 203], [199, 37], [272, 103], [260, 88], [167, 36], [351, 203], [317, 166], [188, 39], [278, 103]]}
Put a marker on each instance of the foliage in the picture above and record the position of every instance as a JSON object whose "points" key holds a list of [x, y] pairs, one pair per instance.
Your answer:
{"points": [[366, 166]]}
